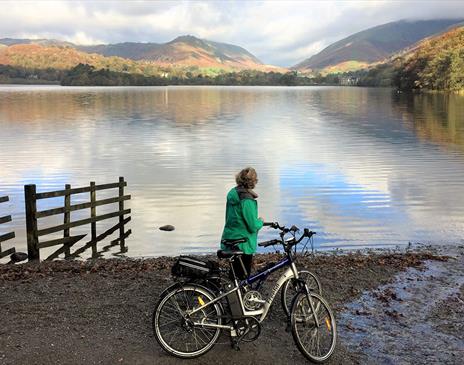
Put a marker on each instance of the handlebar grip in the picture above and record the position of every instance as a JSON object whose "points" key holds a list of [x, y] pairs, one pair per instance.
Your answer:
{"points": [[308, 233], [268, 243], [274, 225]]}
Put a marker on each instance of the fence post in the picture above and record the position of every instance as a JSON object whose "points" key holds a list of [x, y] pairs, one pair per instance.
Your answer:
{"points": [[121, 217], [93, 214], [31, 222], [67, 218]]}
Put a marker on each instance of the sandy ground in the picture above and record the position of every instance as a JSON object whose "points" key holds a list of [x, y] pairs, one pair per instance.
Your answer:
{"points": [[99, 312]]}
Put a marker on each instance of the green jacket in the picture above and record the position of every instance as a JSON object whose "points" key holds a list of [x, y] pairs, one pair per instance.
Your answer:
{"points": [[242, 219]]}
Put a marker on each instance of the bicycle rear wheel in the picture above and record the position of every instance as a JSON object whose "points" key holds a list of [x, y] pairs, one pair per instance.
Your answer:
{"points": [[313, 327], [291, 288], [176, 332]]}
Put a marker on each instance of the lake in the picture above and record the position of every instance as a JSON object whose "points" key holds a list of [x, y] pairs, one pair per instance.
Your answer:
{"points": [[362, 167]]}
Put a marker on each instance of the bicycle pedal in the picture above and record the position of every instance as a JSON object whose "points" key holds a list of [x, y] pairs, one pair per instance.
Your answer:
{"points": [[234, 344]]}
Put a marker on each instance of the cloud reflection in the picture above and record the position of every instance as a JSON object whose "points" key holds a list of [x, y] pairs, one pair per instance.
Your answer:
{"points": [[344, 161]]}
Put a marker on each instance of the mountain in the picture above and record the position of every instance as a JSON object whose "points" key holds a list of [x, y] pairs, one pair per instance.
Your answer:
{"points": [[34, 63], [373, 45], [41, 42], [183, 51]]}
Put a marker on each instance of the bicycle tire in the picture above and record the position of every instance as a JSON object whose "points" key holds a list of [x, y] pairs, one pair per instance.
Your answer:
{"points": [[289, 291], [175, 319], [302, 322]]}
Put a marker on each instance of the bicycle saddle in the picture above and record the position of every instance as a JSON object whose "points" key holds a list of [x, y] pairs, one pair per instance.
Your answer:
{"points": [[223, 254], [233, 242]]}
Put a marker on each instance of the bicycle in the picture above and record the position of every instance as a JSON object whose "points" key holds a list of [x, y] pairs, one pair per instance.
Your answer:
{"points": [[189, 316]]}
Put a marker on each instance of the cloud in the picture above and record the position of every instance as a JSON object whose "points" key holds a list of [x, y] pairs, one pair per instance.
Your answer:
{"points": [[277, 32]]}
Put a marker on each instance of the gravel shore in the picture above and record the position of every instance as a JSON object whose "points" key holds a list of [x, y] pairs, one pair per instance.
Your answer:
{"points": [[99, 312]]}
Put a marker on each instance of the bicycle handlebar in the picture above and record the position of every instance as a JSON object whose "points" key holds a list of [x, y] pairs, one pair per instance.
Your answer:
{"points": [[293, 229], [276, 225]]}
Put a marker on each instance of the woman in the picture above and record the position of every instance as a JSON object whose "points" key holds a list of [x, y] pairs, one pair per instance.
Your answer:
{"points": [[242, 219]]}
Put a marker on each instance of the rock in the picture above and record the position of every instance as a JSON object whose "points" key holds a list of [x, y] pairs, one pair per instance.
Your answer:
{"points": [[167, 227], [18, 257]]}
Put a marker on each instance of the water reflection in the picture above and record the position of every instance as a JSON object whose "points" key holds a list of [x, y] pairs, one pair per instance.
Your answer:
{"points": [[363, 167], [180, 105], [438, 117]]}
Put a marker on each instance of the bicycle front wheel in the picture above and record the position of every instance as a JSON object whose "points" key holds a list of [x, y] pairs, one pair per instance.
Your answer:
{"points": [[183, 335], [313, 327], [291, 288]]}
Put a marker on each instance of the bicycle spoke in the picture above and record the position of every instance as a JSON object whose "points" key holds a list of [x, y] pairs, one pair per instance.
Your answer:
{"points": [[186, 301], [205, 340], [306, 336], [171, 311], [177, 307], [195, 337], [173, 335], [171, 315], [318, 343], [166, 323]]}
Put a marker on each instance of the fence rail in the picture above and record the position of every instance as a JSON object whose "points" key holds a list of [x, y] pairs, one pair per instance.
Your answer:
{"points": [[67, 241], [6, 236]]}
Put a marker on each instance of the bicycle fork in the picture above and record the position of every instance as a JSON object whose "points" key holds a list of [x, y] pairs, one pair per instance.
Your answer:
{"points": [[307, 292], [311, 304]]}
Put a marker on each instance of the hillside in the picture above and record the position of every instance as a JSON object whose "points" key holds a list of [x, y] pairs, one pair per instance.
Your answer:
{"points": [[34, 56], [41, 57], [373, 45], [436, 63], [183, 51]]}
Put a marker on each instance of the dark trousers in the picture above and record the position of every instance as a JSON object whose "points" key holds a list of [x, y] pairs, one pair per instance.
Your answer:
{"points": [[238, 269]]}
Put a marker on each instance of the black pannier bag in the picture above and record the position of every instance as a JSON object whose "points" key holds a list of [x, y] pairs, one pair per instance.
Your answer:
{"points": [[191, 267]]}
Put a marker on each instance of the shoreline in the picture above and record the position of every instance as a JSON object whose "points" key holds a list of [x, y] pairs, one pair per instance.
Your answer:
{"points": [[101, 309], [392, 88], [163, 263]]}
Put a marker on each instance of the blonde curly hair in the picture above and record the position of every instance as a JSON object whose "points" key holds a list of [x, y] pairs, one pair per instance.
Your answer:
{"points": [[248, 178]]}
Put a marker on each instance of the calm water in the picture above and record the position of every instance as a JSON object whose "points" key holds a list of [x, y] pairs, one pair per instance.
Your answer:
{"points": [[362, 167]]}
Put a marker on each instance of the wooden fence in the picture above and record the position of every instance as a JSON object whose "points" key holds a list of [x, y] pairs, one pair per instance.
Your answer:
{"points": [[5, 236], [67, 241]]}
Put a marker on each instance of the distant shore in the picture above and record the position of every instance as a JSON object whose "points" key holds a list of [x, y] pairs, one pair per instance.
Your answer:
{"points": [[28, 82], [56, 83]]}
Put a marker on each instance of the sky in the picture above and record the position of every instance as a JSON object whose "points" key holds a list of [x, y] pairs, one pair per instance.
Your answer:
{"points": [[281, 33]]}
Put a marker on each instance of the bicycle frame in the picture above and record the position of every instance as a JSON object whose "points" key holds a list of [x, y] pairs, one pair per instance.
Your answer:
{"points": [[261, 313]]}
